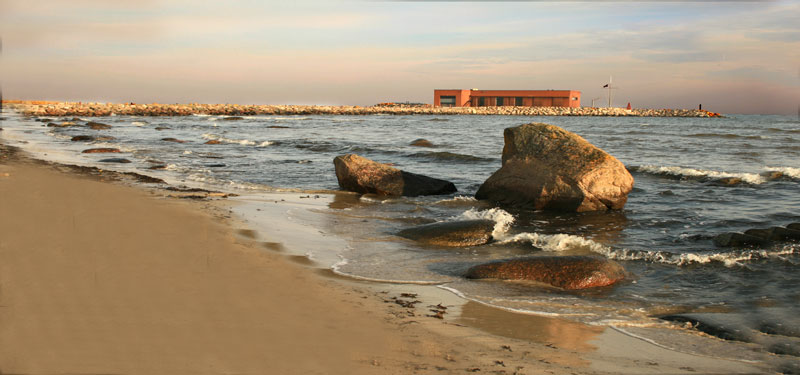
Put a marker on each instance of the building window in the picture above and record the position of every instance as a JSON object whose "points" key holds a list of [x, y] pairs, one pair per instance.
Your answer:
{"points": [[499, 101], [518, 101], [574, 98], [447, 101], [481, 101]]}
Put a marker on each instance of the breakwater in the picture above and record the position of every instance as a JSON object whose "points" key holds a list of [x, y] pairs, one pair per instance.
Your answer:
{"points": [[32, 108]]}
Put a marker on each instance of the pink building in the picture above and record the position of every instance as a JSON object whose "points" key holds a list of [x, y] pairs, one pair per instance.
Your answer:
{"points": [[497, 98]]}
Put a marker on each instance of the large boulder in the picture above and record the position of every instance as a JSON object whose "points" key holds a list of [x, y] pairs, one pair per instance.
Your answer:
{"points": [[566, 272], [453, 233], [362, 175], [548, 168]]}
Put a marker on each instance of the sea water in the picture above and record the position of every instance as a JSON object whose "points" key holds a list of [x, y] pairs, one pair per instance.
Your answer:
{"points": [[695, 178]]}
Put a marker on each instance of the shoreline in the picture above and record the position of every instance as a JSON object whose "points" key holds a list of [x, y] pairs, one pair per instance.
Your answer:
{"points": [[41, 108], [457, 348]]}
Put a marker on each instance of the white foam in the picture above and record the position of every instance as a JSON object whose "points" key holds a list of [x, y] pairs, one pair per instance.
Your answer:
{"points": [[502, 219], [557, 242], [138, 123], [750, 178], [729, 259], [787, 171], [243, 142], [457, 199]]}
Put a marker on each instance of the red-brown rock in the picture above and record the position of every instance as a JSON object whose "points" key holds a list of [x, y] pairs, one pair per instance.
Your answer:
{"points": [[361, 175], [548, 168], [101, 150], [566, 272]]}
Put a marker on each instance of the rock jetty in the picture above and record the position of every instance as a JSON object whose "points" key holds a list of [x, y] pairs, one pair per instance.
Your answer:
{"points": [[231, 111], [549, 168], [362, 175]]}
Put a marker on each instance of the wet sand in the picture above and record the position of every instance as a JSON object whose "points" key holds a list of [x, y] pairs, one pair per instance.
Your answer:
{"points": [[99, 277]]}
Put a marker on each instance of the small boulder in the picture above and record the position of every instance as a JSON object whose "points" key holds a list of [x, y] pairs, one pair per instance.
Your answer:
{"points": [[362, 175], [734, 239], [566, 272], [97, 126], [454, 233], [82, 138], [233, 118], [101, 150], [548, 168], [421, 142], [774, 234], [212, 142]]}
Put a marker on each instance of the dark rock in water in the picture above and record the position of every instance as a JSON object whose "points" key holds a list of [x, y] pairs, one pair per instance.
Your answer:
{"points": [[101, 150], [666, 193], [421, 142], [115, 160], [104, 138], [277, 127], [172, 140], [454, 233], [728, 181], [44, 119], [738, 240], [772, 175], [567, 272], [158, 167], [361, 175], [82, 138], [774, 234], [548, 168], [212, 142], [97, 126], [160, 128], [794, 226], [776, 328], [233, 118], [715, 325], [215, 165]]}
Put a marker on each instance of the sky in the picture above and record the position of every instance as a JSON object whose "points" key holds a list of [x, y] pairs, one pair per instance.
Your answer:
{"points": [[730, 56]]}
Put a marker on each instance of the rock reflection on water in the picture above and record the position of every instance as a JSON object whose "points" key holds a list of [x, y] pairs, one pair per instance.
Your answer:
{"points": [[557, 332]]}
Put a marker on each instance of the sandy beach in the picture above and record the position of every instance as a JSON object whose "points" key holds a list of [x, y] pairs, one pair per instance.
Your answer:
{"points": [[109, 278]]}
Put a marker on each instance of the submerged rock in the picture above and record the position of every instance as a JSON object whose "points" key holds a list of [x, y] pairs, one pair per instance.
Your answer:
{"points": [[548, 168], [212, 142], [82, 138], [454, 233], [716, 325], [566, 272], [97, 126], [421, 142], [734, 239], [233, 118], [115, 160], [101, 150], [362, 175], [774, 234], [175, 140]]}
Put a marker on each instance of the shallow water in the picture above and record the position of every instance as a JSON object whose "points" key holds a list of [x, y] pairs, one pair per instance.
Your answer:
{"points": [[695, 179]]}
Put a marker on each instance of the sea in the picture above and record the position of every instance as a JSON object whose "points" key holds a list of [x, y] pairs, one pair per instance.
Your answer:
{"points": [[695, 179]]}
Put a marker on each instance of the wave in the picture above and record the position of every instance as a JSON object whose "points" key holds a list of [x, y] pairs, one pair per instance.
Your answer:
{"points": [[448, 156], [681, 172], [790, 172], [502, 219], [729, 136], [567, 242], [243, 142]]}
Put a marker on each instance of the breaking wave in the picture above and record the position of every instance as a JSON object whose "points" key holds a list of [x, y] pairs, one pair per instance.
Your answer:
{"points": [[243, 142], [790, 172], [502, 219], [681, 172]]}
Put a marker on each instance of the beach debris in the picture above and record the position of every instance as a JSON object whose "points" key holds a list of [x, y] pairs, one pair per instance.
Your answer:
{"points": [[566, 272], [362, 175], [452, 233], [97, 126], [101, 150], [421, 142], [548, 168]]}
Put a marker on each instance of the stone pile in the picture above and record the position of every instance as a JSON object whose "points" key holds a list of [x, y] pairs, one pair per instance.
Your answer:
{"points": [[155, 109]]}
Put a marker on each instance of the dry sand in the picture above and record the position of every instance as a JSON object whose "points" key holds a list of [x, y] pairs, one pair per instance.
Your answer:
{"points": [[101, 278]]}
